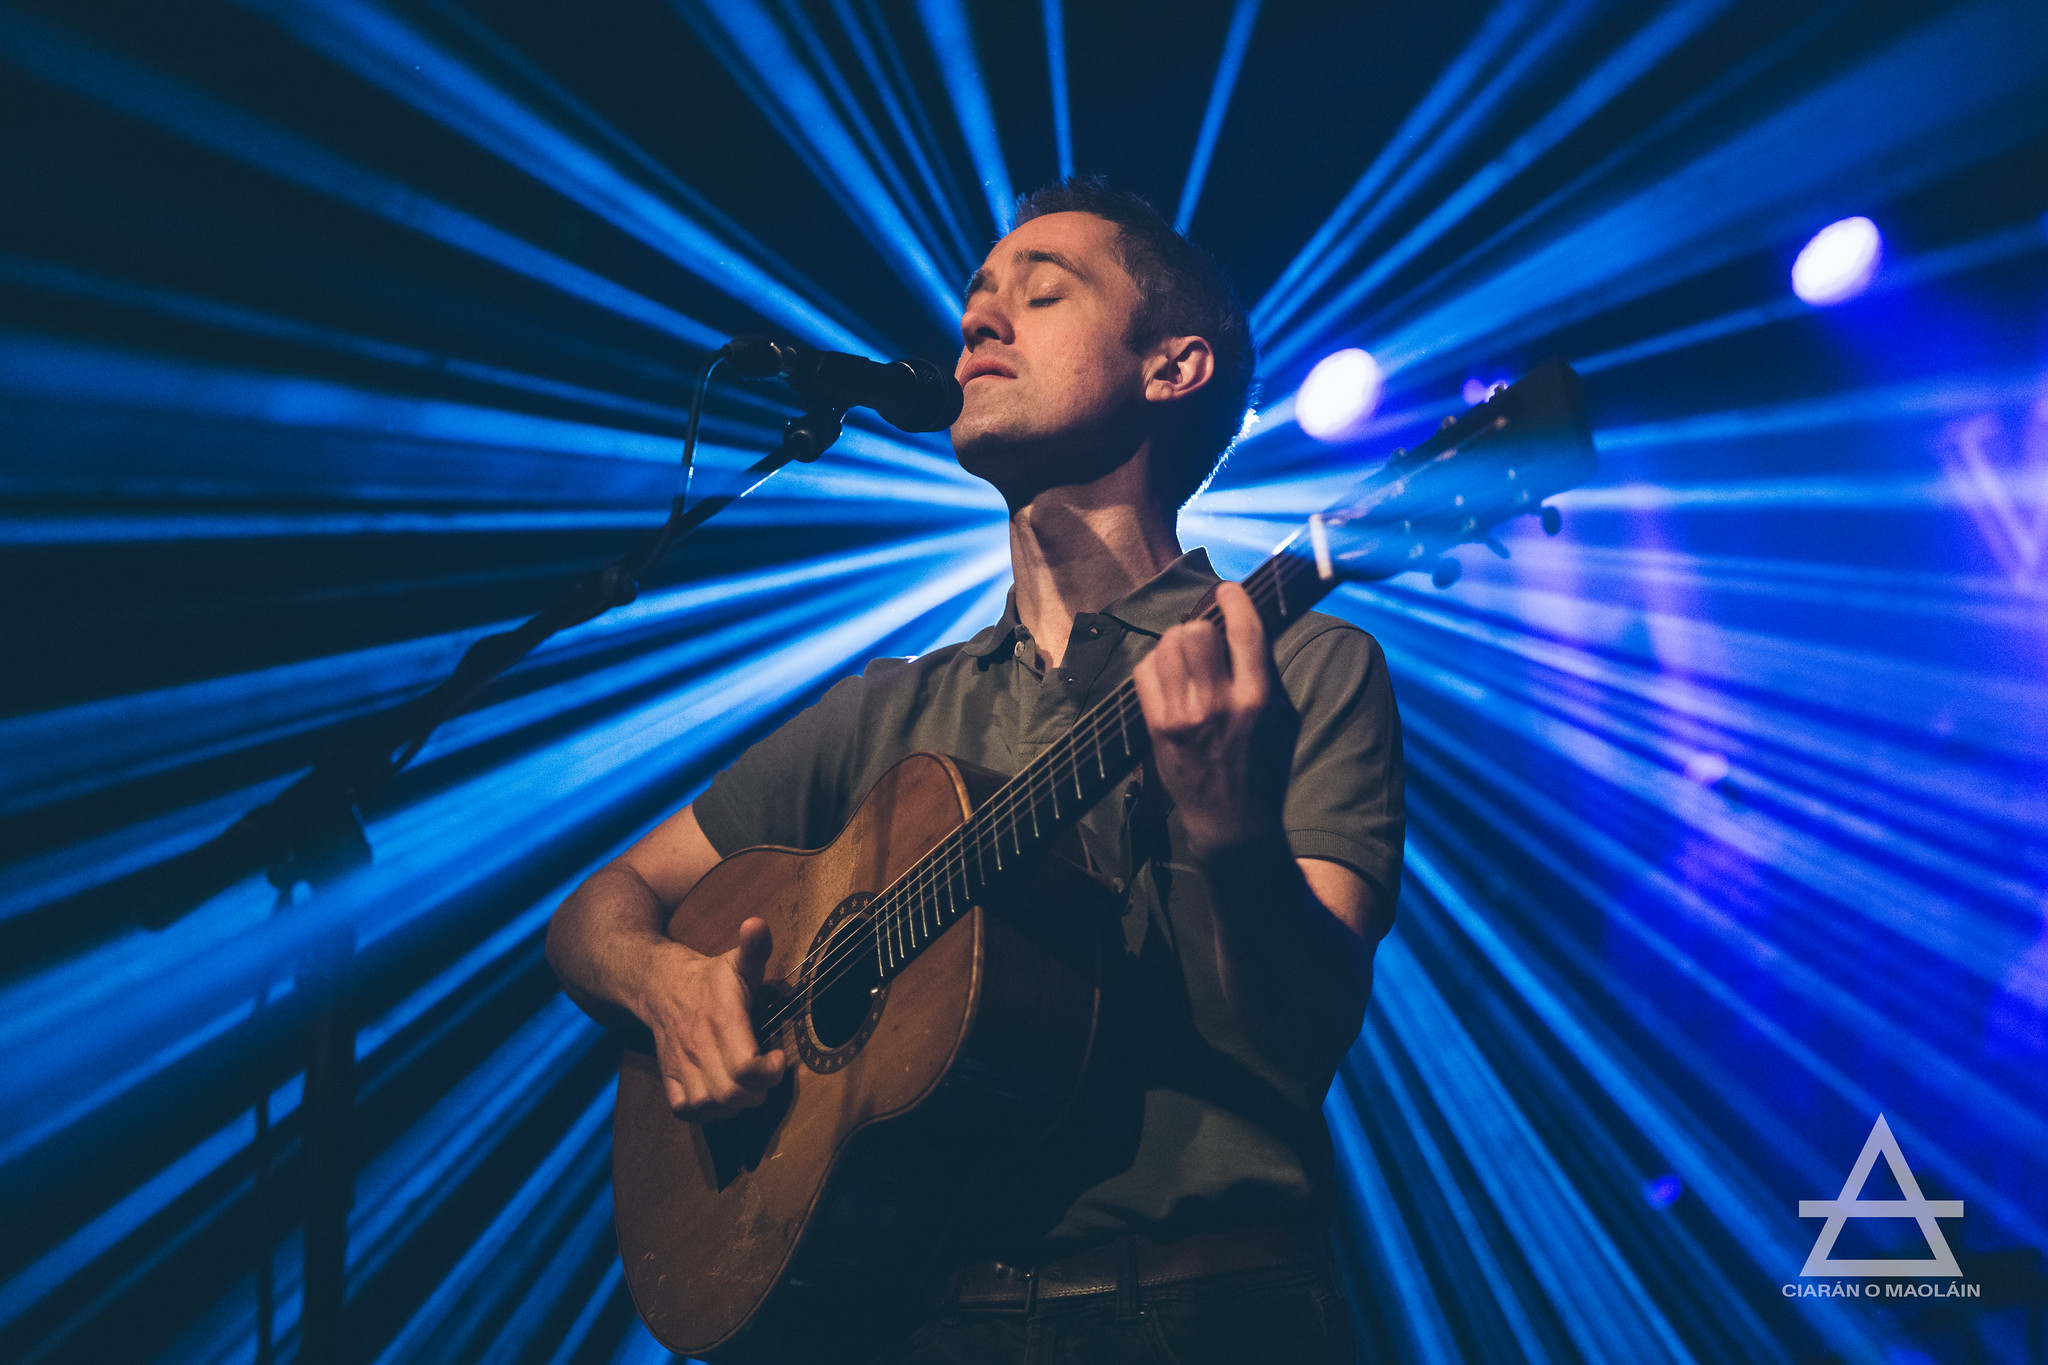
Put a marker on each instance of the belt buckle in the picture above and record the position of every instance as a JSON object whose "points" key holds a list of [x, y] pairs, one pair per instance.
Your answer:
{"points": [[1029, 1275]]}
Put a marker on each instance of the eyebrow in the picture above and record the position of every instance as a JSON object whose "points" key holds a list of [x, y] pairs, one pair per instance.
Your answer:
{"points": [[979, 279]]}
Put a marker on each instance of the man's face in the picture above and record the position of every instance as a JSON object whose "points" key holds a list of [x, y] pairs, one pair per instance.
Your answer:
{"points": [[1052, 392]]}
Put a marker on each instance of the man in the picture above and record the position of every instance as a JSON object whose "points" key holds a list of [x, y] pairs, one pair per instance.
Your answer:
{"points": [[1106, 366]]}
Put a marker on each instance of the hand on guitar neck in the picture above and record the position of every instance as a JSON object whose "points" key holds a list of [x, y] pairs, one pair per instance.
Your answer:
{"points": [[1222, 731]]}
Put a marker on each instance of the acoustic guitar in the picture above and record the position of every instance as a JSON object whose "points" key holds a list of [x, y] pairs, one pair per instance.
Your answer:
{"points": [[935, 978]]}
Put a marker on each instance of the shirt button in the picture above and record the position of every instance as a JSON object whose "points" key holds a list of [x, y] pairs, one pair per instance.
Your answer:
{"points": [[1017, 649], [1094, 631], [1116, 884]]}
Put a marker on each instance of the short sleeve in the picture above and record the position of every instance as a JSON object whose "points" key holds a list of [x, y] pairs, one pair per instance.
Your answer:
{"points": [[1344, 801], [790, 788]]}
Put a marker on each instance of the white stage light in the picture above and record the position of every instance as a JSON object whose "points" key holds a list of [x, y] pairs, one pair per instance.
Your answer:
{"points": [[1339, 396], [1839, 263]]}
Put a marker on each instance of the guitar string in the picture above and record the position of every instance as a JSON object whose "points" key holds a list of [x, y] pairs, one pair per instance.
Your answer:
{"points": [[887, 918], [947, 862]]}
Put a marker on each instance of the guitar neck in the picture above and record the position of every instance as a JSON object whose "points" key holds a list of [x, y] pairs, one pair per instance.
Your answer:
{"points": [[1049, 796]]}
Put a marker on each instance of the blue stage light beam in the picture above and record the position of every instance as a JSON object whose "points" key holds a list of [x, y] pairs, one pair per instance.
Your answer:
{"points": [[1421, 1320], [1663, 911], [1789, 47], [400, 60], [71, 752], [48, 55], [1990, 249], [1587, 1282], [1520, 1338], [61, 281], [1627, 65], [936, 244], [1449, 93], [1981, 74], [952, 38], [913, 129], [1235, 42], [755, 49], [458, 442], [955, 202], [1473, 117], [535, 86], [1741, 1203], [1916, 399], [1056, 67]]}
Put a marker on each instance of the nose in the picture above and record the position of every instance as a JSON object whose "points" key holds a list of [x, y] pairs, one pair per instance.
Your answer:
{"points": [[984, 319]]}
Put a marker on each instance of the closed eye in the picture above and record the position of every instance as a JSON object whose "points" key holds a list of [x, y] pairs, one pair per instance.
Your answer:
{"points": [[1049, 299]]}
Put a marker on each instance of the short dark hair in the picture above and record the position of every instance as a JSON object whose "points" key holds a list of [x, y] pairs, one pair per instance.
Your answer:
{"points": [[1181, 292]]}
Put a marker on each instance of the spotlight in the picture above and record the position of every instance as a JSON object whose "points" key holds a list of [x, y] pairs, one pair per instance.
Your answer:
{"points": [[1339, 395], [1838, 263]]}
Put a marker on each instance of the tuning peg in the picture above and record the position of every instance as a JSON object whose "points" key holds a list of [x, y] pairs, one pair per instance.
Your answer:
{"points": [[1494, 545], [1553, 520], [1446, 572]]}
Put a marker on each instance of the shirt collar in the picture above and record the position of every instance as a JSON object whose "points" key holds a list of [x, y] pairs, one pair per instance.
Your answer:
{"points": [[1158, 606], [1151, 608]]}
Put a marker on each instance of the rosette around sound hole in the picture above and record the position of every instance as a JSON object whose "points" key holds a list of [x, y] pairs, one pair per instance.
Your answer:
{"points": [[843, 981]]}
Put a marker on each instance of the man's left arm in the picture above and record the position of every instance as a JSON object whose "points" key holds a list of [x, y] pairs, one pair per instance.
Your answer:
{"points": [[1294, 936]]}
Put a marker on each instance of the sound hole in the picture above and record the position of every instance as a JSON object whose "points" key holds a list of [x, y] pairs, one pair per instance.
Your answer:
{"points": [[844, 980]]}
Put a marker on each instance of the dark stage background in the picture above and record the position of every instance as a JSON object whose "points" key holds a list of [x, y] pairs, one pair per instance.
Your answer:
{"points": [[334, 332]]}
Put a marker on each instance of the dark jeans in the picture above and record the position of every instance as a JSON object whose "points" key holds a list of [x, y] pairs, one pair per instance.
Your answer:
{"points": [[1254, 1317]]}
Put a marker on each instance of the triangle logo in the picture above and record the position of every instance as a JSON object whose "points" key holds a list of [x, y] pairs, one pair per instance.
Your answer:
{"points": [[1850, 1204]]}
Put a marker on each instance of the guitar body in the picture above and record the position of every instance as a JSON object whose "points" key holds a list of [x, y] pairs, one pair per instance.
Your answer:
{"points": [[805, 1229]]}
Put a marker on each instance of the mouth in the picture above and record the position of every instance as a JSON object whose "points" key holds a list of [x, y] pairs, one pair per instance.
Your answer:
{"points": [[984, 369]]}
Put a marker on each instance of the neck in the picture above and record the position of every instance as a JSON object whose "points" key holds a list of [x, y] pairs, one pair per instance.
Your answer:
{"points": [[1080, 547]]}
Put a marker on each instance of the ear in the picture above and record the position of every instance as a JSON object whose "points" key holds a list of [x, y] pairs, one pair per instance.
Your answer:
{"points": [[1177, 367]]}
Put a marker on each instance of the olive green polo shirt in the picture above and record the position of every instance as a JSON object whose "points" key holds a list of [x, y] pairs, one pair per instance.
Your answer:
{"points": [[1184, 1124]]}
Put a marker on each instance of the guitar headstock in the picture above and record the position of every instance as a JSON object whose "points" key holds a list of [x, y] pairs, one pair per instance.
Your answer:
{"points": [[1497, 461]]}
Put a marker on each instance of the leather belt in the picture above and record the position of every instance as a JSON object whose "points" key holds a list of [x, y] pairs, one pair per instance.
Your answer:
{"points": [[1132, 1262]]}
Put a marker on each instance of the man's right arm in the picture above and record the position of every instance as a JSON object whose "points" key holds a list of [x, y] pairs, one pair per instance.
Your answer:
{"points": [[609, 948]]}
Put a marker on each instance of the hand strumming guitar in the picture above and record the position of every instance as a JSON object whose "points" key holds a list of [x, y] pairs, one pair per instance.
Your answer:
{"points": [[609, 946], [696, 1007]]}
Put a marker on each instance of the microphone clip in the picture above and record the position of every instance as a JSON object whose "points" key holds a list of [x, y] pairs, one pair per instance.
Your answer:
{"points": [[809, 435]]}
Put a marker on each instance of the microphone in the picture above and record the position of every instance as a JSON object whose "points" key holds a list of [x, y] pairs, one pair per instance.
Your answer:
{"points": [[910, 395]]}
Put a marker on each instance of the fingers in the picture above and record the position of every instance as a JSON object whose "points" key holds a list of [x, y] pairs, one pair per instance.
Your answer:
{"points": [[1250, 662], [750, 959], [762, 1073], [1195, 676], [715, 1086], [711, 1063]]}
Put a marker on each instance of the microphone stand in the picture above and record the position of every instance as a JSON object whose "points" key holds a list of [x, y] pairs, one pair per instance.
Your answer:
{"points": [[312, 834]]}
